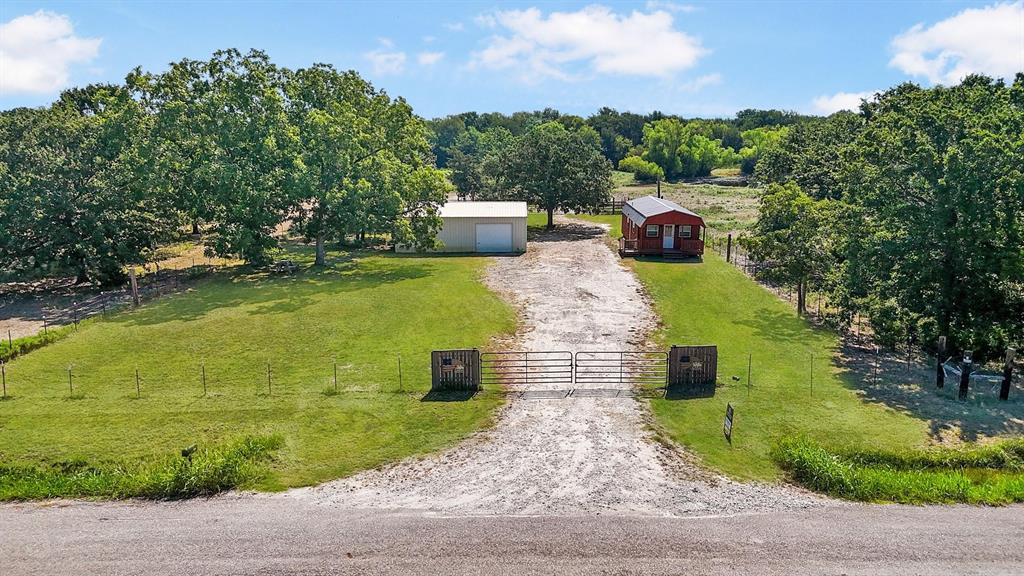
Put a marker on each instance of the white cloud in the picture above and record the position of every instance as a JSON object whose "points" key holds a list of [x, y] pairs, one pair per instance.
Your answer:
{"points": [[455, 26], [429, 58], [486, 20], [386, 60], [987, 40], [638, 43], [701, 82], [840, 101], [429, 39], [37, 50], [670, 6]]}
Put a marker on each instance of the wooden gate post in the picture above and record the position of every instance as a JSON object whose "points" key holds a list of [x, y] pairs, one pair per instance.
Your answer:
{"points": [[693, 370], [940, 373], [1004, 390], [728, 248], [135, 285], [455, 370], [965, 374]]}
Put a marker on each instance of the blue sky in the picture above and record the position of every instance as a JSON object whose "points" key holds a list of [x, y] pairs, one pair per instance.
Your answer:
{"points": [[689, 58]]}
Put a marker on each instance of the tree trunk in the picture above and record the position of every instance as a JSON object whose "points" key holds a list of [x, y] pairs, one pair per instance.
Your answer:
{"points": [[801, 297], [551, 218], [195, 227], [321, 255]]}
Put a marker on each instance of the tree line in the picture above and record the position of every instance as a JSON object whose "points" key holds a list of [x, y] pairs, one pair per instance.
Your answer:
{"points": [[652, 146], [910, 211], [235, 144], [240, 149]]}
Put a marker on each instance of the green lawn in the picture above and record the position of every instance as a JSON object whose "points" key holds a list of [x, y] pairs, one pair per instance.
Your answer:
{"points": [[360, 313], [714, 303]]}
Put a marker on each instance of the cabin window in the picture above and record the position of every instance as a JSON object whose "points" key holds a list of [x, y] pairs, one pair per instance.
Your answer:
{"points": [[685, 231], [652, 230]]}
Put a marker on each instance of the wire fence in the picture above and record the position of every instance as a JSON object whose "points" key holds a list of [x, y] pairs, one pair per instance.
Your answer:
{"points": [[388, 373], [153, 281]]}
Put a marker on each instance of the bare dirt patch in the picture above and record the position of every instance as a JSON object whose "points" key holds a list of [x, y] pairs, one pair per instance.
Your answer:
{"points": [[547, 456]]}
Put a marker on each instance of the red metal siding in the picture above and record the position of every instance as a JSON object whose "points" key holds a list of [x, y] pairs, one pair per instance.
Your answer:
{"points": [[653, 245]]}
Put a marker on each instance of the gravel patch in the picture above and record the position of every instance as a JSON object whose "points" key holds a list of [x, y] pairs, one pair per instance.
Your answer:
{"points": [[579, 455]]}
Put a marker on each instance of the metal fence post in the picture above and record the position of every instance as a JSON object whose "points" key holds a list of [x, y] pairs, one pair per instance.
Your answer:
{"points": [[940, 372], [1004, 389], [965, 374]]}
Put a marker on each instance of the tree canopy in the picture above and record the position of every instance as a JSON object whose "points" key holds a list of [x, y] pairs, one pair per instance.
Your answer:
{"points": [[926, 236], [234, 146], [556, 168]]}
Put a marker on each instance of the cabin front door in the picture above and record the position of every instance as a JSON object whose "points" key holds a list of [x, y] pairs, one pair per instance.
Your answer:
{"points": [[668, 237]]}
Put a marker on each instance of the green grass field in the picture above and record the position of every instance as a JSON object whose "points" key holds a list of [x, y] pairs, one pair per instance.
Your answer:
{"points": [[714, 303], [724, 208], [359, 313]]}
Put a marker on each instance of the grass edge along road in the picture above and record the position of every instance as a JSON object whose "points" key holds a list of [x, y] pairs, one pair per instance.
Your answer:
{"points": [[992, 474], [360, 313], [714, 303]]}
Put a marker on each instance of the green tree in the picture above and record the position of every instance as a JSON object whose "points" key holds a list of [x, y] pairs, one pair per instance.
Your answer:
{"points": [[788, 237], [72, 190], [475, 161], [223, 144], [643, 170], [757, 142], [811, 154], [685, 150], [940, 175], [362, 162], [555, 168]]}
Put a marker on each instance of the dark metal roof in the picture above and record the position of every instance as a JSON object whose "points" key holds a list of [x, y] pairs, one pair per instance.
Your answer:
{"points": [[639, 209]]}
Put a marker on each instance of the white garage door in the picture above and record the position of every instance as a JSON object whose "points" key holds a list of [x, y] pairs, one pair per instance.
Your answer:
{"points": [[494, 237]]}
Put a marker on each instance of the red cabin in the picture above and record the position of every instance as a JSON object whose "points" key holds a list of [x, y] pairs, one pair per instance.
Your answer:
{"points": [[655, 226]]}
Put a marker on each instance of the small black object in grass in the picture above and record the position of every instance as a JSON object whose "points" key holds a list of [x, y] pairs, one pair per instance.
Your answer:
{"points": [[188, 452]]}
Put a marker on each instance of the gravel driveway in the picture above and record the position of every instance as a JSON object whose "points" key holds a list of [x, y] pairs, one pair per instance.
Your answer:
{"points": [[585, 455]]}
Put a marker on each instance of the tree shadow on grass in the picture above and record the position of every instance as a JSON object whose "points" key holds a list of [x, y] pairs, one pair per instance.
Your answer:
{"points": [[448, 396], [689, 392], [911, 390], [774, 325], [268, 293]]}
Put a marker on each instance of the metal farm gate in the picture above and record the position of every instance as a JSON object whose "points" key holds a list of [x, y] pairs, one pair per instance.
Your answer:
{"points": [[525, 368], [683, 371], [644, 368]]}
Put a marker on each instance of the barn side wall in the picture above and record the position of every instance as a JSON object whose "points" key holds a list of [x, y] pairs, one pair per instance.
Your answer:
{"points": [[459, 234]]}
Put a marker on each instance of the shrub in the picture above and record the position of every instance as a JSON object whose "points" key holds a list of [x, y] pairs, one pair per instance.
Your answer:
{"points": [[205, 472], [976, 475], [11, 349], [643, 170]]}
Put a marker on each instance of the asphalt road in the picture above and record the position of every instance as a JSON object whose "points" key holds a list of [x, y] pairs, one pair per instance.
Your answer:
{"points": [[268, 535]]}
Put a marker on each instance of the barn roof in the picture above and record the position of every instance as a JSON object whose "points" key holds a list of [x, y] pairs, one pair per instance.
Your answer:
{"points": [[640, 209], [483, 210]]}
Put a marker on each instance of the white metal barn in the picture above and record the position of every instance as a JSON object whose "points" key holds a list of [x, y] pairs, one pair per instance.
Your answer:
{"points": [[495, 227]]}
